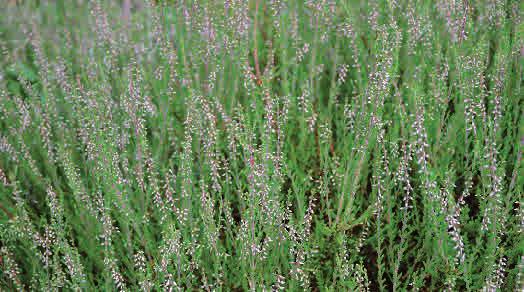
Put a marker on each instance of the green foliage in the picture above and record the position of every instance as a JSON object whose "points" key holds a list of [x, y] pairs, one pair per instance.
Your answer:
{"points": [[261, 145]]}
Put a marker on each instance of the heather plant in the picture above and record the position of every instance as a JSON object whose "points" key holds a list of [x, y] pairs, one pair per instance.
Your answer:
{"points": [[330, 145]]}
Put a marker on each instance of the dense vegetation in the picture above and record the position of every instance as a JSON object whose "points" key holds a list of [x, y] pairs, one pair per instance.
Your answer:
{"points": [[260, 145]]}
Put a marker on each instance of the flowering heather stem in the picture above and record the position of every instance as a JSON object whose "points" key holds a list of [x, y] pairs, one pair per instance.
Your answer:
{"points": [[229, 145]]}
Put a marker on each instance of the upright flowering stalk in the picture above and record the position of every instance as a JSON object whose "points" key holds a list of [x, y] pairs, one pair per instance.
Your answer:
{"points": [[429, 191], [403, 179], [106, 241], [71, 257], [10, 268], [301, 250], [379, 209], [455, 14]]}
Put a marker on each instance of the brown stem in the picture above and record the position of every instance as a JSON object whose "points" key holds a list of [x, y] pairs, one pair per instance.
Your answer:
{"points": [[9, 214]]}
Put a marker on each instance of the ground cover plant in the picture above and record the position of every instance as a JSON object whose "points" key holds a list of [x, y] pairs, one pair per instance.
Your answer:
{"points": [[262, 145]]}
